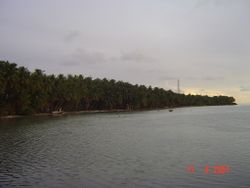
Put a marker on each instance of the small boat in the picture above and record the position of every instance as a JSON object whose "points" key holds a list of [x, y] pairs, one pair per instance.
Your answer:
{"points": [[57, 112], [170, 110]]}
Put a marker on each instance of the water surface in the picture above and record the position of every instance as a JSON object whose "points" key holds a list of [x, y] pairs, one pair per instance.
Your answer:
{"points": [[139, 149]]}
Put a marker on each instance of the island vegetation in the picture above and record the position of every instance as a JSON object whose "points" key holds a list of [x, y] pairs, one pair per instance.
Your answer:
{"points": [[24, 92]]}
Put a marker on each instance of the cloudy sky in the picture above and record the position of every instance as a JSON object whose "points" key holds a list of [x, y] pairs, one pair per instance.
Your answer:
{"points": [[204, 43]]}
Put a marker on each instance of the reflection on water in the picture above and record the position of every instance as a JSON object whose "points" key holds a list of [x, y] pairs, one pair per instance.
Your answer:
{"points": [[140, 149]]}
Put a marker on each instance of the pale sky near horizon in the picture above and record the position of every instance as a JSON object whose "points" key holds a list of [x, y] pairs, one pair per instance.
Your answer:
{"points": [[204, 43]]}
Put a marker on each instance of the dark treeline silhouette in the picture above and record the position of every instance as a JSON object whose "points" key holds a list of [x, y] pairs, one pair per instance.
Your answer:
{"points": [[25, 92]]}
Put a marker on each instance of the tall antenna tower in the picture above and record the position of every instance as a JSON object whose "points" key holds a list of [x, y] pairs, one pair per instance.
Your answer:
{"points": [[178, 86]]}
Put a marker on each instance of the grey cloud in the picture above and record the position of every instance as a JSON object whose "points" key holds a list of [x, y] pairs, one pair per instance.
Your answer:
{"points": [[71, 36], [70, 63], [2, 3], [205, 78], [136, 56], [202, 3], [168, 78], [86, 57], [184, 77], [211, 78], [3, 17], [245, 88]]}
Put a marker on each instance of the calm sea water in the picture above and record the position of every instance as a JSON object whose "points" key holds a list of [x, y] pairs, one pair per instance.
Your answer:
{"points": [[139, 149]]}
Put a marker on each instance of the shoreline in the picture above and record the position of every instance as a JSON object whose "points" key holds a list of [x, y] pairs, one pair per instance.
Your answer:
{"points": [[67, 113], [101, 111]]}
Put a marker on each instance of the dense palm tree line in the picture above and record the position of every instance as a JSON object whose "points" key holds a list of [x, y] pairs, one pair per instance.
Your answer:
{"points": [[25, 92]]}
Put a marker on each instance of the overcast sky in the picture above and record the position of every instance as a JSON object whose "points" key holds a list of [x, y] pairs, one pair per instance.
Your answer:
{"points": [[204, 43]]}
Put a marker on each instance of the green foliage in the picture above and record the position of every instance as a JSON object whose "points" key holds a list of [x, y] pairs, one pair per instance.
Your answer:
{"points": [[25, 92]]}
